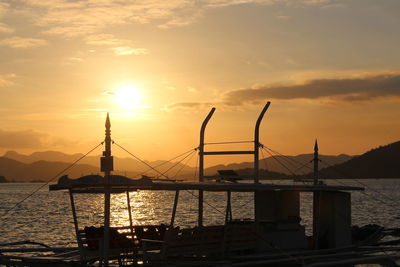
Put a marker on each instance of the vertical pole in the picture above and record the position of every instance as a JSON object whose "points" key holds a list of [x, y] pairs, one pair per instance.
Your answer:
{"points": [[256, 158], [78, 237], [107, 167], [228, 214], [316, 159], [201, 165], [129, 212], [317, 203], [174, 208], [257, 143], [316, 200]]}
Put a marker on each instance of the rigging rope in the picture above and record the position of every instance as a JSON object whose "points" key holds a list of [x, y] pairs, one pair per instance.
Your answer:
{"points": [[176, 163], [197, 165], [148, 165], [333, 167], [285, 157], [279, 162], [167, 161], [184, 164], [54, 177], [363, 184]]}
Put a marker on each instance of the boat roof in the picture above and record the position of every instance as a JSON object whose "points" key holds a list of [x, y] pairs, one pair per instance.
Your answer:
{"points": [[119, 184]]}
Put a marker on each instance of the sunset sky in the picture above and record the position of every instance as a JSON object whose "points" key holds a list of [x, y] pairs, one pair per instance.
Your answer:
{"points": [[331, 69]]}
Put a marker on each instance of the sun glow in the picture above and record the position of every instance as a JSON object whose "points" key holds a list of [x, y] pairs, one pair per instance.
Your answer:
{"points": [[127, 97]]}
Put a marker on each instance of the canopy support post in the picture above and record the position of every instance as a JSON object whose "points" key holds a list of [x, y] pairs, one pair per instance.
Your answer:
{"points": [[129, 212], [174, 208], [228, 214], [78, 237]]}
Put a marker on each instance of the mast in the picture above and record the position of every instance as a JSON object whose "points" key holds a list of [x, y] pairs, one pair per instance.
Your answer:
{"points": [[316, 159], [106, 163], [257, 143]]}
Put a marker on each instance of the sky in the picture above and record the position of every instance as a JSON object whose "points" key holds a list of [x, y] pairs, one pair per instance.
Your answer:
{"points": [[331, 69]]}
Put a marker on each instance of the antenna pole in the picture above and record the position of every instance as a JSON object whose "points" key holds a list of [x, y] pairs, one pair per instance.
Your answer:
{"points": [[106, 163], [257, 143], [316, 160], [201, 164]]}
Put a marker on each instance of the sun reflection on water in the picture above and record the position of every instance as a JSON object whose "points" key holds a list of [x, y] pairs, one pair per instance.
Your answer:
{"points": [[47, 216]]}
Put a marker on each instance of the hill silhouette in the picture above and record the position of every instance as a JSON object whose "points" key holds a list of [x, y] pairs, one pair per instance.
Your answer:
{"points": [[380, 162], [122, 164], [134, 167], [274, 166], [39, 171]]}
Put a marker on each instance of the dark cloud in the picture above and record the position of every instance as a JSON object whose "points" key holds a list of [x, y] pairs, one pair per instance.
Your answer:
{"points": [[344, 90], [188, 105], [21, 139], [348, 89]]}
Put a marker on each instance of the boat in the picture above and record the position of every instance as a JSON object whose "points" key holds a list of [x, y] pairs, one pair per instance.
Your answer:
{"points": [[274, 237]]}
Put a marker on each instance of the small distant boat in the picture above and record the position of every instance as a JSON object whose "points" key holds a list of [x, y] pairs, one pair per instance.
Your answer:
{"points": [[274, 237]]}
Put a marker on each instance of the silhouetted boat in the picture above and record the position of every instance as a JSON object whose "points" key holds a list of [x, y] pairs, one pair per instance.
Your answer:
{"points": [[274, 237]]}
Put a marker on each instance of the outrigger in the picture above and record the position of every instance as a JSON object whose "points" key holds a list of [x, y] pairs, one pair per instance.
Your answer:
{"points": [[274, 237]]}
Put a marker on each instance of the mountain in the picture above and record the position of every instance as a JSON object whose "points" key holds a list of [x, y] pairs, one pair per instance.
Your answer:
{"points": [[40, 171], [135, 168], [381, 162], [277, 164], [45, 156], [122, 164]]}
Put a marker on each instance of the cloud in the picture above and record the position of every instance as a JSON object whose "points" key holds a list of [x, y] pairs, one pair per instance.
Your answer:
{"points": [[21, 139], [20, 42], [351, 89], [121, 47], [104, 39], [192, 89], [5, 79], [5, 29], [316, 2], [4, 8], [127, 50], [344, 89], [189, 105], [85, 17]]}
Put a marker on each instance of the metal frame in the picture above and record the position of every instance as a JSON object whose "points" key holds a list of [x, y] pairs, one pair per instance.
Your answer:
{"points": [[202, 153]]}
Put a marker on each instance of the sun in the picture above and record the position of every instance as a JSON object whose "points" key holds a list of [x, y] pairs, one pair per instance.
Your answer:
{"points": [[127, 97]]}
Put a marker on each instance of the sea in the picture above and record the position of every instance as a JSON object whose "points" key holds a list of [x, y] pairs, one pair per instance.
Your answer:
{"points": [[46, 216]]}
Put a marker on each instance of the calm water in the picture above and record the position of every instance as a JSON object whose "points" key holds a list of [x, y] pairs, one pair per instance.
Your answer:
{"points": [[46, 216]]}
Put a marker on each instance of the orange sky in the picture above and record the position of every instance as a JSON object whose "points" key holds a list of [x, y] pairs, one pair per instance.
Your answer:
{"points": [[330, 68]]}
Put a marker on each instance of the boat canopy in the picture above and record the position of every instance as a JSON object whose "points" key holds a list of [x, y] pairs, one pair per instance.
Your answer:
{"points": [[119, 184]]}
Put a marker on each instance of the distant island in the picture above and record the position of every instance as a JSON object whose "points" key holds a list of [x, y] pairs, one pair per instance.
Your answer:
{"points": [[380, 162], [3, 179]]}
